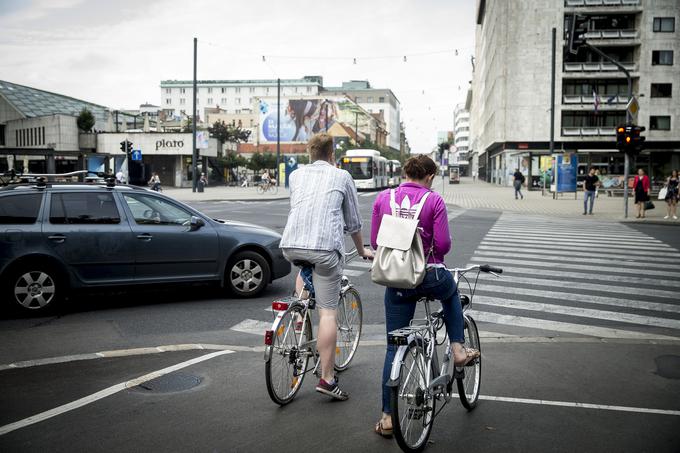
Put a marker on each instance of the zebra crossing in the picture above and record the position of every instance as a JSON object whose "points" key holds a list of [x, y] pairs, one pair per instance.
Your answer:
{"points": [[578, 277]]}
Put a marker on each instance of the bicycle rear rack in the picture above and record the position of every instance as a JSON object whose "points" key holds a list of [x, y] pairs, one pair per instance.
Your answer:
{"points": [[400, 337]]}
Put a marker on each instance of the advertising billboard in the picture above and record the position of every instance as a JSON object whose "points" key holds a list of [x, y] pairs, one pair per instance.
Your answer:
{"points": [[301, 118], [566, 165]]}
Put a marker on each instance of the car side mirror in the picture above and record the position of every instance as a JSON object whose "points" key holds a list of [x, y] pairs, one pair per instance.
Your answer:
{"points": [[196, 223]]}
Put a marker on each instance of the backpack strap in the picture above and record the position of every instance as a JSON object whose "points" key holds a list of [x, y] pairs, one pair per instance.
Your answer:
{"points": [[421, 204], [393, 202]]}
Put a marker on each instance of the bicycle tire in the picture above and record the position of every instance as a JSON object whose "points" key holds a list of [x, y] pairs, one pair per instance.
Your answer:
{"points": [[274, 189], [260, 189], [470, 383], [410, 401], [349, 321], [283, 374]]}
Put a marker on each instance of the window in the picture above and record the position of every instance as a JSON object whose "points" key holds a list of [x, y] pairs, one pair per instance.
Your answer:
{"points": [[83, 208], [224, 90], [661, 90], [358, 99], [660, 123], [149, 210], [251, 89], [381, 99], [168, 90], [20, 209], [662, 57], [369, 99], [296, 89], [237, 101], [664, 24], [237, 89], [223, 100], [309, 89], [267, 90], [251, 122], [182, 101], [182, 90], [209, 90], [210, 101], [168, 101]]}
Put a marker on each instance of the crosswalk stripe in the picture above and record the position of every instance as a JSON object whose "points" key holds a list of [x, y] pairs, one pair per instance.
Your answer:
{"points": [[588, 252], [577, 312], [359, 264], [571, 328], [561, 259], [252, 326], [569, 237], [524, 245], [589, 276], [617, 289], [353, 273], [580, 297], [557, 241], [572, 233]]}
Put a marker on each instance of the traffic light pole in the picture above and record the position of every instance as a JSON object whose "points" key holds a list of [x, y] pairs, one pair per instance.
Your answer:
{"points": [[127, 163], [194, 154], [629, 121]]}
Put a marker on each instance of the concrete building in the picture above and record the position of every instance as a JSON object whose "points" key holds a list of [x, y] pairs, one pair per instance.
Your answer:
{"points": [[374, 100], [510, 104], [461, 141]]}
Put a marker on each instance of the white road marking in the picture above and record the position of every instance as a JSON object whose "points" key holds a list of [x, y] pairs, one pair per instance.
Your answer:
{"points": [[453, 215], [252, 326], [559, 326], [606, 407], [567, 242], [353, 273], [106, 392], [578, 312], [573, 232], [589, 276], [576, 238], [582, 297], [110, 354], [577, 248], [360, 264], [590, 252], [559, 260]]}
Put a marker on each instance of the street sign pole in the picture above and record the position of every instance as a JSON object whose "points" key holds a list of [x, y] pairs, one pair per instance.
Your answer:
{"points": [[127, 163]]}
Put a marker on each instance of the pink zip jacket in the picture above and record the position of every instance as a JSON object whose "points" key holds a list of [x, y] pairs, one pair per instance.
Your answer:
{"points": [[433, 217]]}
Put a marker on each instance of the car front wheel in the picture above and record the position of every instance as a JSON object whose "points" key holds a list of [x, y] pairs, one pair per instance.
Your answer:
{"points": [[34, 288], [247, 274]]}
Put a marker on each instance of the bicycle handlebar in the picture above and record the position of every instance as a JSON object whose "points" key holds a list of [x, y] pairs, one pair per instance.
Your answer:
{"points": [[482, 267]]}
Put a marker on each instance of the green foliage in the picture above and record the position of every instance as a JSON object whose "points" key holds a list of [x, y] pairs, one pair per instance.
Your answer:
{"points": [[261, 161], [233, 160], [187, 126], [303, 159], [228, 133], [85, 120]]}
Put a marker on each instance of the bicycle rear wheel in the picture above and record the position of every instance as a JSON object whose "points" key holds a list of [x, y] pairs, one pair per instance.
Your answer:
{"points": [[260, 189], [274, 189], [470, 379], [413, 405], [349, 328], [288, 356]]}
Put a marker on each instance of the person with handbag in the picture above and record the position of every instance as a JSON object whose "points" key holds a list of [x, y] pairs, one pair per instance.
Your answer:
{"points": [[642, 186], [671, 196], [414, 199]]}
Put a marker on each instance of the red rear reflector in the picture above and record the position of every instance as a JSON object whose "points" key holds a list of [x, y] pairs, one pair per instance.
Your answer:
{"points": [[279, 306], [268, 337]]}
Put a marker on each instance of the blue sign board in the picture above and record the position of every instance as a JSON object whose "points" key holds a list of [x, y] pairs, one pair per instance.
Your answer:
{"points": [[566, 170], [137, 154], [291, 165]]}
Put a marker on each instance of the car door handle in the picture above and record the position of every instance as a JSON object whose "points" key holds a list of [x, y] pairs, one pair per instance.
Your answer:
{"points": [[58, 238], [144, 237]]}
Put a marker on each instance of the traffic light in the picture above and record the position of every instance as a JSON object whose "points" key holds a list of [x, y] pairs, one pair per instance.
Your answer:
{"points": [[129, 147], [122, 146], [636, 140], [575, 28], [621, 137], [628, 138]]}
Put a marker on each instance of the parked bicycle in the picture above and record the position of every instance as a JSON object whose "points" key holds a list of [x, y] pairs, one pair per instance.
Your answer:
{"points": [[269, 187], [417, 380], [290, 343]]}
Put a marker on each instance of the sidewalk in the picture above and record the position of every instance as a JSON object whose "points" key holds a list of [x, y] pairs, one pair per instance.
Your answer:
{"points": [[482, 195], [224, 193]]}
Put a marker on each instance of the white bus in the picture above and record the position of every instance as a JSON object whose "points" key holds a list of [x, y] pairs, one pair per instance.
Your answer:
{"points": [[395, 173], [368, 168]]}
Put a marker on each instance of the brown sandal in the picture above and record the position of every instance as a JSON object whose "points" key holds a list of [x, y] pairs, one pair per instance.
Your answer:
{"points": [[470, 354], [380, 430]]}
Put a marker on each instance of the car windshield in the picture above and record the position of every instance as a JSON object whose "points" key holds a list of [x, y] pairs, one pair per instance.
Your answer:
{"points": [[358, 167]]}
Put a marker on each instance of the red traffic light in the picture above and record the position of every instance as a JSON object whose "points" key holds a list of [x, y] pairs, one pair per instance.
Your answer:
{"points": [[620, 130], [627, 139]]}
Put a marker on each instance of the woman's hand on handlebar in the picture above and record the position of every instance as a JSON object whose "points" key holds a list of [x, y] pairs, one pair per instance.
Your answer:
{"points": [[366, 253]]}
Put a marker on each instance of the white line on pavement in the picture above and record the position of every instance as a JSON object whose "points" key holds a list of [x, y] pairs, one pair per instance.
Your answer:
{"points": [[353, 273], [609, 233], [574, 238], [578, 312], [106, 392], [557, 241], [252, 326], [606, 407], [578, 248], [557, 252], [548, 260], [559, 326], [360, 264]]}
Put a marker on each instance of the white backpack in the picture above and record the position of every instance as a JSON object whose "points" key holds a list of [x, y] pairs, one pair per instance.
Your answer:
{"points": [[400, 261]]}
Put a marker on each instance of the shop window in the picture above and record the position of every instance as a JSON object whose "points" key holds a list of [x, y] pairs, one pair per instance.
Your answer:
{"points": [[661, 90], [83, 208], [20, 209], [664, 24], [660, 123], [662, 57]]}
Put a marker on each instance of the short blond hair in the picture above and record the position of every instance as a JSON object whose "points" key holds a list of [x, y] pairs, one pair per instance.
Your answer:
{"points": [[320, 147]]}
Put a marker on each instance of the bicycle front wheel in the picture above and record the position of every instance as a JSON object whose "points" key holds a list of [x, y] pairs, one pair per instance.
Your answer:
{"points": [[349, 322], [274, 189], [413, 405], [469, 380], [260, 189], [288, 356]]}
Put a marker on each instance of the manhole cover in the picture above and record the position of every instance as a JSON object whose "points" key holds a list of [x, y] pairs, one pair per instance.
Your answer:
{"points": [[173, 382], [668, 366]]}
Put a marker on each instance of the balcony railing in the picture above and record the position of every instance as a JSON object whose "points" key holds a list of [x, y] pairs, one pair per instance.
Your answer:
{"points": [[590, 99], [596, 67], [583, 3], [588, 131], [612, 34]]}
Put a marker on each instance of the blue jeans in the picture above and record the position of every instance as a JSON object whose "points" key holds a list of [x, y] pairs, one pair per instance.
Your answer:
{"points": [[400, 306], [588, 194]]}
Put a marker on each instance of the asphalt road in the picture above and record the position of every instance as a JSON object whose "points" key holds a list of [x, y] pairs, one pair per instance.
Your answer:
{"points": [[587, 313]]}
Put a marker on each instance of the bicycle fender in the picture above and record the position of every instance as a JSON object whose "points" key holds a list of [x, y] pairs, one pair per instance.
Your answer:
{"points": [[275, 325], [396, 366]]}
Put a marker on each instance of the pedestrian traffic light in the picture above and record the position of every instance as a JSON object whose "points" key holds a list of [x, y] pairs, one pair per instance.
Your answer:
{"points": [[122, 146], [129, 147]]}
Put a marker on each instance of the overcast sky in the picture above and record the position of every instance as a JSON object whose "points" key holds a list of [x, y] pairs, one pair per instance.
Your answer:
{"points": [[116, 53]]}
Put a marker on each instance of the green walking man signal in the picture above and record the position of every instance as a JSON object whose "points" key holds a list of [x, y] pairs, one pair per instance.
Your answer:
{"points": [[628, 138]]}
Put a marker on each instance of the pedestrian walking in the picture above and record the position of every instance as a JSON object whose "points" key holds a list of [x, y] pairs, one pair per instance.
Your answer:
{"points": [[244, 180], [641, 185], [474, 176], [517, 181], [590, 185], [202, 182], [672, 195]]}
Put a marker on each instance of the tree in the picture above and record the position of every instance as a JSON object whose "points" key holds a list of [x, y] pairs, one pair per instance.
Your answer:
{"points": [[303, 159], [188, 127], [85, 120], [261, 161], [228, 133]]}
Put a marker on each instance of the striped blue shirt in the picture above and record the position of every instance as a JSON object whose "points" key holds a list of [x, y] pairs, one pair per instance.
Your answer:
{"points": [[323, 207]]}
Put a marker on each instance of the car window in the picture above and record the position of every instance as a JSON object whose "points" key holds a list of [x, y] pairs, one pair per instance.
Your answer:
{"points": [[83, 208], [150, 210], [20, 209]]}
